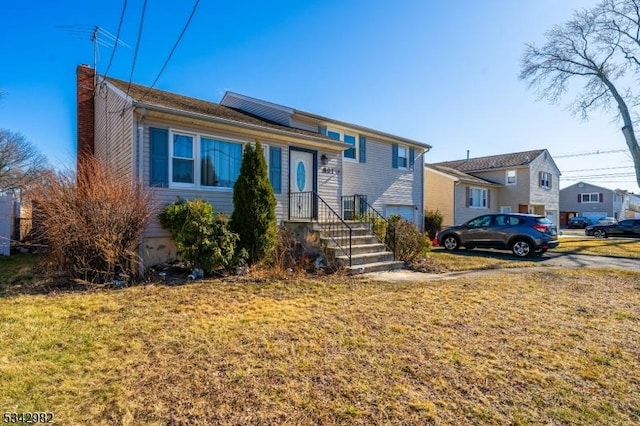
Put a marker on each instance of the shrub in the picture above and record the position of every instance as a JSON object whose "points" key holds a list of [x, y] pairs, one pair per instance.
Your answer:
{"points": [[92, 223], [410, 244], [432, 222], [203, 239], [286, 250], [254, 213]]}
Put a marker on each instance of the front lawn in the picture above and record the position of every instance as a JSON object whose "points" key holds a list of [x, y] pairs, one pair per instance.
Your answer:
{"points": [[510, 347], [618, 247]]}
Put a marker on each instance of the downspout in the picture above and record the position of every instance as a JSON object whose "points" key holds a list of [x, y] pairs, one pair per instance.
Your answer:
{"points": [[141, 114]]}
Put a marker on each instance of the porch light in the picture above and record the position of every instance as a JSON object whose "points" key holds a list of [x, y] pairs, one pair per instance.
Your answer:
{"points": [[324, 160]]}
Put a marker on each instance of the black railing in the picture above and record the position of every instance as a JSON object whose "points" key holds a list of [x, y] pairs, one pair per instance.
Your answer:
{"points": [[356, 207], [310, 206]]}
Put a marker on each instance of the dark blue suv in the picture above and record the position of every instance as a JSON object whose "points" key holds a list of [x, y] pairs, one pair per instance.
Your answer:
{"points": [[523, 234]]}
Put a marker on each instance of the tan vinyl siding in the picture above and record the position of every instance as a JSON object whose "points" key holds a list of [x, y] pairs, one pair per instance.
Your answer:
{"points": [[114, 131], [464, 213], [381, 183], [439, 195], [329, 180], [510, 195]]}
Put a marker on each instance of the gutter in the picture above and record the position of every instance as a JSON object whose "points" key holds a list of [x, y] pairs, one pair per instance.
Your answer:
{"points": [[211, 119]]}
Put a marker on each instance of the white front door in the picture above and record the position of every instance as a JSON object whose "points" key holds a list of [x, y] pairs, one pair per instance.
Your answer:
{"points": [[301, 184]]}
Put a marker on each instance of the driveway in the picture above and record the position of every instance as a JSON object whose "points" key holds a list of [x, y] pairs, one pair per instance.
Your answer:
{"points": [[548, 260]]}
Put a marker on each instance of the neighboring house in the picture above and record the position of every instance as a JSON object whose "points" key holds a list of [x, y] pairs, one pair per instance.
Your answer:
{"points": [[595, 202], [186, 147], [523, 182]]}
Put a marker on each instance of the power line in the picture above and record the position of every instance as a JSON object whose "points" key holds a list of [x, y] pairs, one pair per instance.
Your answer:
{"points": [[601, 168], [173, 49], [117, 39], [135, 53], [588, 153]]}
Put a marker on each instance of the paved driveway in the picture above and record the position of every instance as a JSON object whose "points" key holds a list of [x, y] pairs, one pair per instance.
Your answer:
{"points": [[548, 260]]}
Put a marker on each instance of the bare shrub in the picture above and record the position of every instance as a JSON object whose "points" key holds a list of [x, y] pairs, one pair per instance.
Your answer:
{"points": [[92, 223], [411, 244]]}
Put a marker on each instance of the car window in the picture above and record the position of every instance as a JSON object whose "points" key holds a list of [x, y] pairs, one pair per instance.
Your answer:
{"points": [[626, 223], [479, 222], [502, 220]]}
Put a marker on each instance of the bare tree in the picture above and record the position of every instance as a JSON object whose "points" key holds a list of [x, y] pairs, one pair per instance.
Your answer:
{"points": [[599, 48], [21, 164]]}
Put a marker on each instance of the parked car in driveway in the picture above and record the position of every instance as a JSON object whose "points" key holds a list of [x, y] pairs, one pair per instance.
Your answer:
{"points": [[523, 234], [578, 222], [629, 228], [606, 221]]}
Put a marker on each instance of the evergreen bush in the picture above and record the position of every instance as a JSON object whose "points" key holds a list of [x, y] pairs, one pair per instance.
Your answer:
{"points": [[204, 240], [432, 222], [254, 212]]}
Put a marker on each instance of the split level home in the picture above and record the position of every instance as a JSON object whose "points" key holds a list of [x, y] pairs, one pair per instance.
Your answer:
{"points": [[320, 168], [520, 182], [595, 202]]}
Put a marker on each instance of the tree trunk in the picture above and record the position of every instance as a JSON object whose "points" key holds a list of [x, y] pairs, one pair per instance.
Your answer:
{"points": [[627, 130]]}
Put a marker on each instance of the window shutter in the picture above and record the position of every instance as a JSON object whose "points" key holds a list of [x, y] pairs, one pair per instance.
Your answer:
{"points": [[550, 180], [601, 197], [488, 198], [412, 157], [275, 169], [363, 149], [467, 196], [159, 158], [322, 130], [394, 155], [579, 198]]}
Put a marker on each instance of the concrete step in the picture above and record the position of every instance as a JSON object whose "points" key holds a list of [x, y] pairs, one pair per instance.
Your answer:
{"points": [[375, 267], [344, 241], [357, 249], [365, 258]]}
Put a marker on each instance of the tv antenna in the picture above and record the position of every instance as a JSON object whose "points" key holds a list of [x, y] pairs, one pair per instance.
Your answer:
{"points": [[97, 35]]}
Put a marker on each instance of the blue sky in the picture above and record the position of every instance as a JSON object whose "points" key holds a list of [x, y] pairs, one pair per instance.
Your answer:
{"points": [[442, 72]]}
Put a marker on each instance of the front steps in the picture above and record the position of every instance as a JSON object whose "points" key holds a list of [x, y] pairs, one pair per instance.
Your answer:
{"points": [[368, 254]]}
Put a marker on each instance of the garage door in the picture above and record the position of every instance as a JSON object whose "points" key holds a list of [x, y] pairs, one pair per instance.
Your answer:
{"points": [[407, 212]]}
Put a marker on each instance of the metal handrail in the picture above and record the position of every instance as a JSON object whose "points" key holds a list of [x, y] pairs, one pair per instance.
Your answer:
{"points": [[310, 206], [363, 210]]}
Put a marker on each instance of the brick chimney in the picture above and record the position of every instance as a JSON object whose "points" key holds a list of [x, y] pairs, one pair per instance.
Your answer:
{"points": [[85, 80]]}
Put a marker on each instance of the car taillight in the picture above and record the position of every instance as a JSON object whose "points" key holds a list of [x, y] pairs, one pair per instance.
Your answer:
{"points": [[540, 227]]}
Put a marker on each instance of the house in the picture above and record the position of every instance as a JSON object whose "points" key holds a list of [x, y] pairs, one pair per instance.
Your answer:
{"points": [[523, 182], [595, 202], [186, 147]]}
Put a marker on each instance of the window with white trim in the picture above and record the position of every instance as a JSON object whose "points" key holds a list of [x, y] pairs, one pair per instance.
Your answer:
{"points": [[203, 161], [545, 180], [348, 138], [477, 198], [403, 157], [512, 177], [590, 197]]}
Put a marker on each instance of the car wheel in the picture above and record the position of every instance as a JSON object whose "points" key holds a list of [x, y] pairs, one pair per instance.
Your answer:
{"points": [[451, 242], [521, 248], [599, 233]]}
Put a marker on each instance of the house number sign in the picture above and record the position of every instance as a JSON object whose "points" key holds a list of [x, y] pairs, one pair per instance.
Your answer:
{"points": [[329, 170]]}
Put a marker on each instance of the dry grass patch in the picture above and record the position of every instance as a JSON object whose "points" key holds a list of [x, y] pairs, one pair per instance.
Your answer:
{"points": [[516, 347], [617, 247], [475, 260]]}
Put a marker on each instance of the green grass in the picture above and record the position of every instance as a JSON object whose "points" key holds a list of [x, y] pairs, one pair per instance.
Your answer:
{"points": [[553, 347]]}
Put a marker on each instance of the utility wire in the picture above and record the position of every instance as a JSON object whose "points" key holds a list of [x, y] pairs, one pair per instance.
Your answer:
{"points": [[588, 153], [173, 49], [117, 40], [135, 53]]}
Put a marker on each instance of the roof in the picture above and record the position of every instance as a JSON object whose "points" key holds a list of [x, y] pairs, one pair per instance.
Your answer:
{"points": [[150, 96], [288, 111], [461, 176], [493, 161]]}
